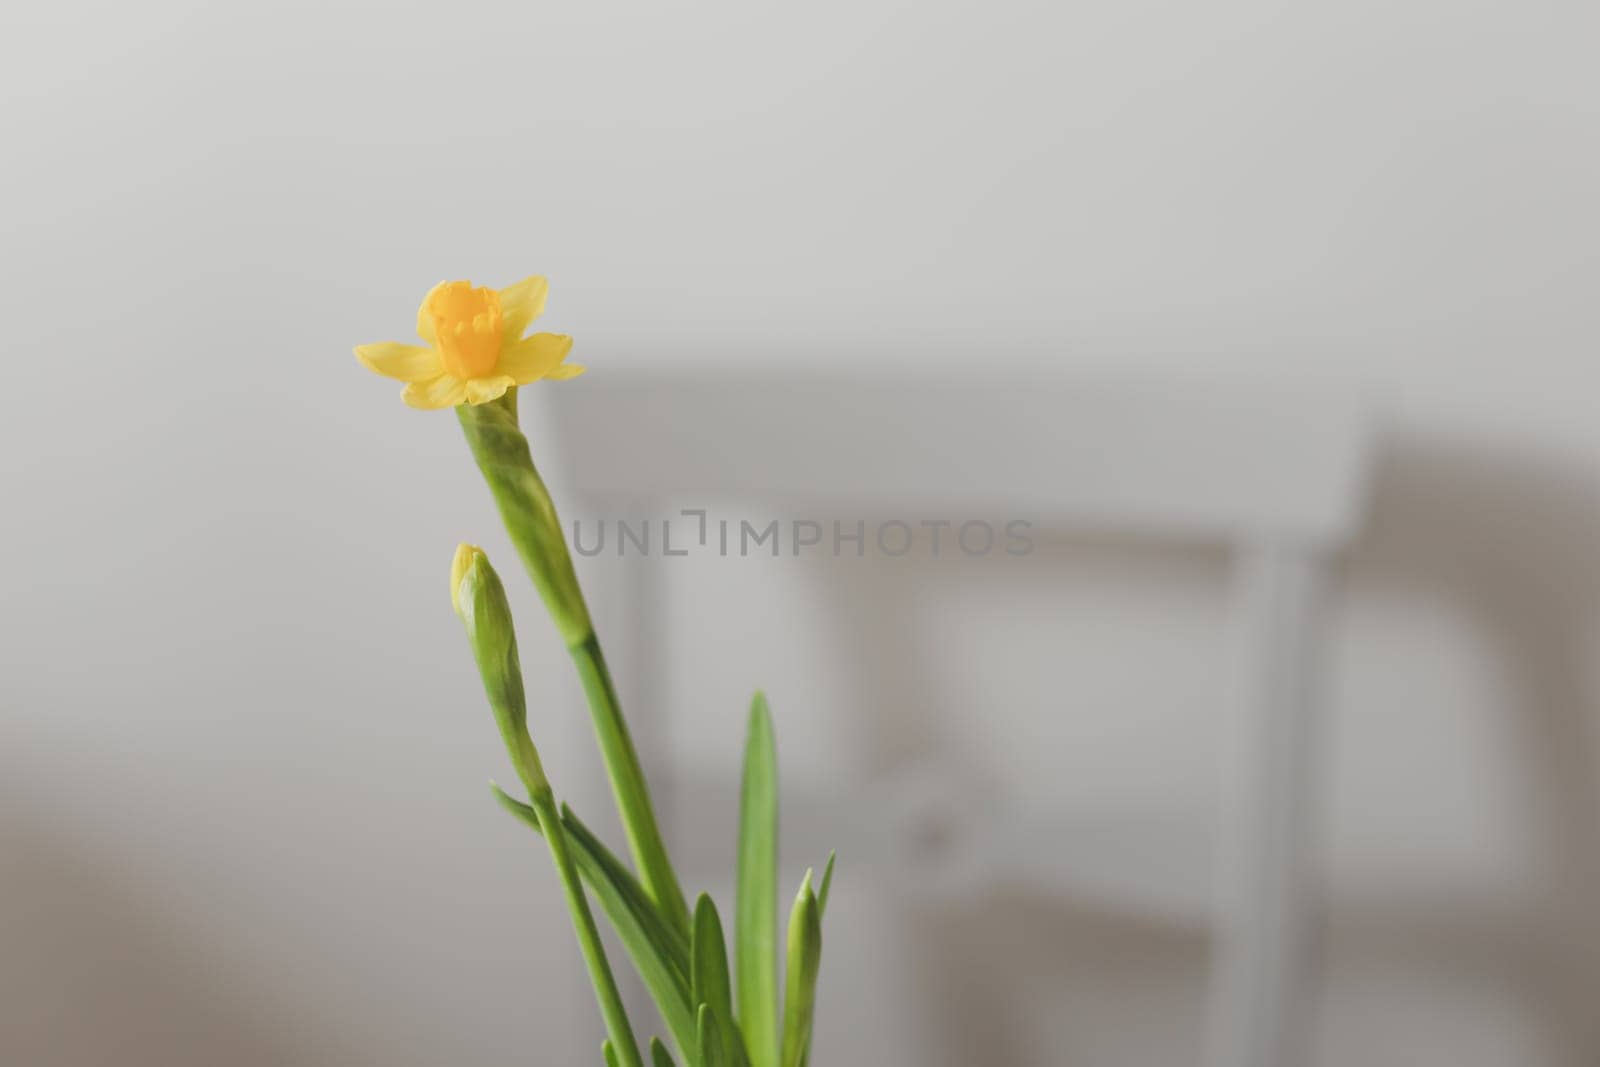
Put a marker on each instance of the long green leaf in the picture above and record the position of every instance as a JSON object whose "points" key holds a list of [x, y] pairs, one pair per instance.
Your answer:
{"points": [[673, 941], [708, 962], [805, 956], [822, 910], [662, 961], [827, 883], [659, 1056], [709, 982], [713, 1043], [609, 1051], [756, 919]]}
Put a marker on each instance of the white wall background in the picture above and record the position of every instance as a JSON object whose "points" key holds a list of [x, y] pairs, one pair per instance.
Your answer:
{"points": [[241, 795]]}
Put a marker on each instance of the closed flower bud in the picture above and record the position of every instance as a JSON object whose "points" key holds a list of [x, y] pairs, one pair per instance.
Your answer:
{"points": [[480, 600]]}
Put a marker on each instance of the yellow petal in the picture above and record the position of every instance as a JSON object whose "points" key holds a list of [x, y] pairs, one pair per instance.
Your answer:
{"points": [[425, 328], [533, 357], [408, 363], [520, 304], [483, 390], [441, 392], [565, 371]]}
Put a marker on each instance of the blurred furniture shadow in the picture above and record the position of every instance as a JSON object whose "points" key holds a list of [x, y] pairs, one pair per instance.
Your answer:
{"points": [[1509, 541], [1513, 541], [93, 976]]}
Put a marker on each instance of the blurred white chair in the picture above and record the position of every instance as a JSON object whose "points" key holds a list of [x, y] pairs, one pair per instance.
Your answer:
{"points": [[1279, 477]]}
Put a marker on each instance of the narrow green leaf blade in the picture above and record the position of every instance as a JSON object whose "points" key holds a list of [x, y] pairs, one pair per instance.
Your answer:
{"points": [[659, 1056], [756, 918], [827, 883], [673, 941], [711, 1040], [610, 1053], [708, 961], [661, 962], [805, 956], [709, 982], [822, 908]]}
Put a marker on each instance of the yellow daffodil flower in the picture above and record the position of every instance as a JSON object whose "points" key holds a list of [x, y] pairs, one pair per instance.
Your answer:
{"points": [[475, 349]]}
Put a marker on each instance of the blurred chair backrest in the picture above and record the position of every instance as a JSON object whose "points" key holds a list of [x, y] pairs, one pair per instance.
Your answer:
{"points": [[1198, 461], [1278, 475]]}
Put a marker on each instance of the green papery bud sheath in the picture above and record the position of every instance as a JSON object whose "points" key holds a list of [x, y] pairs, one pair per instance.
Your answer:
{"points": [[503, 456], [480, 601]]}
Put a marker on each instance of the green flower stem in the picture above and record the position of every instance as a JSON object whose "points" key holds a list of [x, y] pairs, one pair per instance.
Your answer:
{"points": [[594, 953], [628, 784], [502, 454]]}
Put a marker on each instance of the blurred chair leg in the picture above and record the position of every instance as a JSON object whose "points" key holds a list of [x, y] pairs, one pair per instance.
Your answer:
{"points": [[1262, 915]]}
